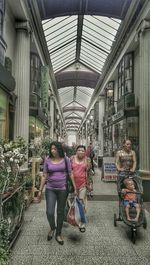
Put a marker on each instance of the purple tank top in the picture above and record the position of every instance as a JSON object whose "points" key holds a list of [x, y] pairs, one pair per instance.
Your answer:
{"points": [[56, 174]]}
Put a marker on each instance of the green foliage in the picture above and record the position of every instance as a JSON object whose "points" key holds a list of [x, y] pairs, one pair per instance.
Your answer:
{"points": [[40, 147], [4, 242], [46, 145]]}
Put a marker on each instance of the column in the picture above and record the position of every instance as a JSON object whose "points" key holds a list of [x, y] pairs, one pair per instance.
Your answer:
{"points": [[22, 77], [144, 103], [100, 130]]}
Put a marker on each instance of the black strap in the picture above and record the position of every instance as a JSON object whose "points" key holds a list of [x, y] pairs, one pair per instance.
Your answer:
{"points": [[66, 166]]}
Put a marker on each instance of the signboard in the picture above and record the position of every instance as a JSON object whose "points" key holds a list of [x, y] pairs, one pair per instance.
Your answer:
{"points": [[109, 169], [44, 87], [118, 115]]}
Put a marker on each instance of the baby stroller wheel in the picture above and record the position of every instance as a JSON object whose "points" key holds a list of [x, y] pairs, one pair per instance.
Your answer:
{"points": [[144, 223], [134, 233], [115, 219]]}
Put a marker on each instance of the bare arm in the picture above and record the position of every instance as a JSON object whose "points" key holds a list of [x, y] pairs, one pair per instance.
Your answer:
{"points": [[118, 161], [73, 182], [134, 162], [43, 180]]}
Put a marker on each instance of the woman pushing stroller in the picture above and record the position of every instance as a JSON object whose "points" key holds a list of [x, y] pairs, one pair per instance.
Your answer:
{"points": [[126, 158], [130, 191], [126, 165]]}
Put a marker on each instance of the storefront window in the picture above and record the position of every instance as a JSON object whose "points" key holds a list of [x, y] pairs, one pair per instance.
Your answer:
{"points": [[119, 134], [36, 128], [133, 129], [125, 75], [3, 114], [1, 16], [127, 128], [109, 95]]}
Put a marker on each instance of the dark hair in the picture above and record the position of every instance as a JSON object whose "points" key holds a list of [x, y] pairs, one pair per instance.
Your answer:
{"points": [[59, 147], [80, 146]]}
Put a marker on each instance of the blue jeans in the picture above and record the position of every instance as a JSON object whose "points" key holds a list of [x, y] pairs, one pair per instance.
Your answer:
{"points": [[53, 196]]}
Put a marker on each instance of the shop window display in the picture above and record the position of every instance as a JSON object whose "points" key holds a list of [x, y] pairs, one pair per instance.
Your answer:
{"points": [[108, 141]]}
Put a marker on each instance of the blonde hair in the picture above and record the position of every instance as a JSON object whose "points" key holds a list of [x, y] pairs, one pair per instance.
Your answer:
{"points": [[127, 180]]}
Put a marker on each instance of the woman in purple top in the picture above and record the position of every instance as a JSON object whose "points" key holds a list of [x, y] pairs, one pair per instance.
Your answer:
{"points": [[55, 180]]}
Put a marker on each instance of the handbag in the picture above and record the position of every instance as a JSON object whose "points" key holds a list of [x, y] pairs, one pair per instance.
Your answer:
{"points": [[71, 216], [69, 184]]}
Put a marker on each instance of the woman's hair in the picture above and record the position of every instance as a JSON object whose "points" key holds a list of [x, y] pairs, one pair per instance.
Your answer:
{"points": [[59, 147], [126, 140], [80, 146]]}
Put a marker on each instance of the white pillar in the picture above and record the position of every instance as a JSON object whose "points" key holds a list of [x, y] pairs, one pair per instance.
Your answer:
{"points": [[22, 77], [100, 130], [144, 99]]}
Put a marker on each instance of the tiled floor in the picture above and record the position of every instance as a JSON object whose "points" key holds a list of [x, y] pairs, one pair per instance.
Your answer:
{"points": [[101, 244]]}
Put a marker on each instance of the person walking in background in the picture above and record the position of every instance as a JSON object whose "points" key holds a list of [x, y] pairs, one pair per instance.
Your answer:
{"points": [[91, 154], [126, 158], [55, 192], [80, 167]]}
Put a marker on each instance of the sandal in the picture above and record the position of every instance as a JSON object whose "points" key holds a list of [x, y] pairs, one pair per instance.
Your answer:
{"points": [[82, 229], [50, 235], [59, 240]]}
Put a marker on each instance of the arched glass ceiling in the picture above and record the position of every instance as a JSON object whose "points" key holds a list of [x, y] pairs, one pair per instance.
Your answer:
{"points": [[96, 35]]}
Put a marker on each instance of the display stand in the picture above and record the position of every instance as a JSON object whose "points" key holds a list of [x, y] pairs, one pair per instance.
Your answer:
{"points": [[36, 177]]}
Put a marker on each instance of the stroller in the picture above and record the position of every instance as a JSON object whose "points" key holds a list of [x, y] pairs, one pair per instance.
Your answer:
{"points": [[122, 214]]}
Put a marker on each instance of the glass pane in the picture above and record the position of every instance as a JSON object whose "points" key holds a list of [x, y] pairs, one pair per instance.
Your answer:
{"points": [[3, 114]]}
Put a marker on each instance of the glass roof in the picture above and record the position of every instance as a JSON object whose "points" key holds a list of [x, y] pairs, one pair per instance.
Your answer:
{"points": [[80, 39]]}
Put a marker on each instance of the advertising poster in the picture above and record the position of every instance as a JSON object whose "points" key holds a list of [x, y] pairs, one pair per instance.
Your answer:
{"points": [[109, 172]]}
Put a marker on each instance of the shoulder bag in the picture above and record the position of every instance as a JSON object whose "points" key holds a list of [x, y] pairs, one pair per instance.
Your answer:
{"points": [[70, 187]]}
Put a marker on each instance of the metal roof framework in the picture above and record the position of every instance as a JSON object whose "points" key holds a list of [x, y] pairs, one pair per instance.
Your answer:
{"points": [[79, 44]]}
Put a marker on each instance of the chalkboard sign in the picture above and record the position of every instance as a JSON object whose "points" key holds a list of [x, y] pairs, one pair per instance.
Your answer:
{"points": [[109, 172]]}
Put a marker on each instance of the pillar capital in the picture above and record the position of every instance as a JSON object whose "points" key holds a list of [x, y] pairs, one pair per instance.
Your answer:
{"points": [[23, 26], [144, 26]]}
